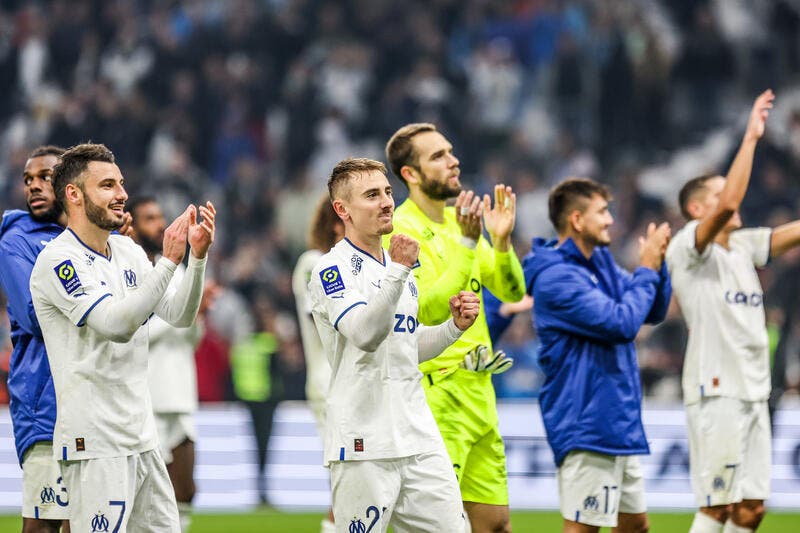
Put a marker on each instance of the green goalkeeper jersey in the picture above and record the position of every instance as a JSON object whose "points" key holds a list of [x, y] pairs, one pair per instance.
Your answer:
{"points": [[447, 266]]}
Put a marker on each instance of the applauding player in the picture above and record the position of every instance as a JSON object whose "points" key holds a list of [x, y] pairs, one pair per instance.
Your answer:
{"points": [[92, 291]]}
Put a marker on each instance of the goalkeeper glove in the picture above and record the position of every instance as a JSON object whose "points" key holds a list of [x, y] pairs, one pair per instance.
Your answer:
{"points": [[481, 359]]}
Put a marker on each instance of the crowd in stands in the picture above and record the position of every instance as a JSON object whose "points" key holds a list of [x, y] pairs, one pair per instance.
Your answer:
{"points": [[250, 103]]}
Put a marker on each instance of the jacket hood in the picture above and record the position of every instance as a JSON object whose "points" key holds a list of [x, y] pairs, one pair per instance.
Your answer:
{"points": [[13, 217], [542, 256]]}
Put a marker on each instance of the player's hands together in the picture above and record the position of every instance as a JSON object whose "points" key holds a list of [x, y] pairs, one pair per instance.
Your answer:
{"points": [[175, 236], [465, 307], [481, 359], [404, 250], [201, 231], [653, 246], [757, 122], [500, 218], [468, 214]]}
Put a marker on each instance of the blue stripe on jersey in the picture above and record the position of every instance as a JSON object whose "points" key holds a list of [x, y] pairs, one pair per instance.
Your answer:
{"points": [[36, 512], [702, 391], [345, 311], [577, 516], [89, 247], [82, 321], [708, 500], [383, 252], [64, 453], [341, 453]]}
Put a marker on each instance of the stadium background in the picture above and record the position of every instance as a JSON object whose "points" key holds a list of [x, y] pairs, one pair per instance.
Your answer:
{"points": [[250, 103]]}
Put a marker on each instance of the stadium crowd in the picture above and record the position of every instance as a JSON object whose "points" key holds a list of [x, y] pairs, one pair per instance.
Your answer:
{"points": [[252, 103]]}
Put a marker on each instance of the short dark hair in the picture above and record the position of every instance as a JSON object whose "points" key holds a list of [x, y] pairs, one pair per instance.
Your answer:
{"points": [[322, 232], [73, 163], [47, 149], [400, 151], [346, 169], [137, 202], [572, 194], [688, 191]]}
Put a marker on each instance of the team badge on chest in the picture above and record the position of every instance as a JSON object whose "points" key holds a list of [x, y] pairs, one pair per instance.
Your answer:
{"points": [[130, 278]]}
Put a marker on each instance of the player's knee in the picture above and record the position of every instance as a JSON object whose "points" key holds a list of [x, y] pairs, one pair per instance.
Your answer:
{"points": [[641, 526], [720, 513], [502, 525], [30, 525], [749, 513]]}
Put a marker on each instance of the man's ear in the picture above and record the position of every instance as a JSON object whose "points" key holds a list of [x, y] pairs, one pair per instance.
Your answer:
{"points": [[340, 209], [410, 174], [575, 220], [73, 194], [694, 208]]}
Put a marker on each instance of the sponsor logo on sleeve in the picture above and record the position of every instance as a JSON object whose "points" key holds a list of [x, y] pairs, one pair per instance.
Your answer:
{"points": [[331, 280], [67, 276]]}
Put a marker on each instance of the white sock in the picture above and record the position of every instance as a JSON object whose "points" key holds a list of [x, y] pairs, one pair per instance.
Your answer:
{"points": [[185, 515], [327, 526], [703, 523], [730, 527]]}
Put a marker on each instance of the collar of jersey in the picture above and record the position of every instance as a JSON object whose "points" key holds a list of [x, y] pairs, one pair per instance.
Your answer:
{"points": [[90, 248], [368, 254]]}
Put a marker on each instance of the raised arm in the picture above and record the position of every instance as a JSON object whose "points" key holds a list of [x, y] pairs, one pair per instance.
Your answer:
{"points": [[738, 175], [574, 304], [432, 340], [180, 308], [439, 285], [367, 324]]}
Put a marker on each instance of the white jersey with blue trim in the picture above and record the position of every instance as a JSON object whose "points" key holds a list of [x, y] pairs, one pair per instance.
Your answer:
{"points": [[722, 302], [102, 397], [376, 407]]}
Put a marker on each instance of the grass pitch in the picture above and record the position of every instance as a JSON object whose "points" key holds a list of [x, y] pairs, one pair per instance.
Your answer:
{"points": [[522, 522]]}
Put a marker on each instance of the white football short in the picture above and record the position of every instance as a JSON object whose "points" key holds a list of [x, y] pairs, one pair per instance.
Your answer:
{"points": [[173, 429], [44, 493], [594, 487], [413, 494], [729, 450], [123, 494]]}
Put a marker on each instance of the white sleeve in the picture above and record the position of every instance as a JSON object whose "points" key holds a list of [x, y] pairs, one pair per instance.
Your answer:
{"points": [[365, 324], [66, 283], [179, 306], [432, 340], [61, 279], [757, 243], [682, 252]]}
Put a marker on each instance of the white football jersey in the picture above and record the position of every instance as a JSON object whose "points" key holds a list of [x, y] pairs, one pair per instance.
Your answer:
{"points": [[172, 372], [376, 407], [723, 304], [103, 400], [318, 370]]}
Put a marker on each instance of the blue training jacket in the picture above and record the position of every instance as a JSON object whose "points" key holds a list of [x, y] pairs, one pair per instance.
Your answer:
{"points": [[30, 384], [587, 314]]}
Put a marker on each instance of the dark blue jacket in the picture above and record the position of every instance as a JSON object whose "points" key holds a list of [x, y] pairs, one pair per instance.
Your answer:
{"points": [[30, 384], [587, 314]]}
